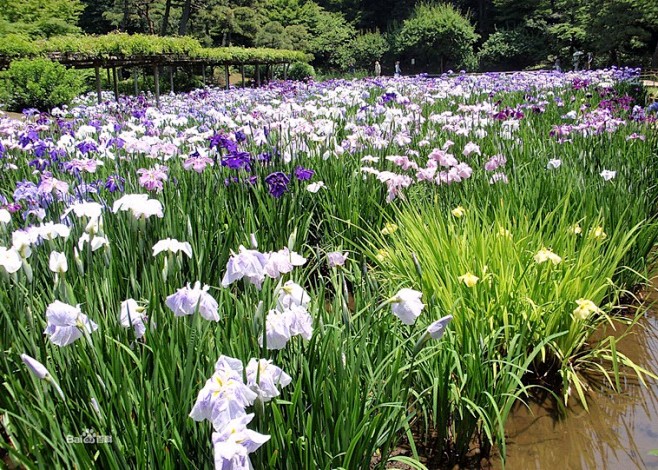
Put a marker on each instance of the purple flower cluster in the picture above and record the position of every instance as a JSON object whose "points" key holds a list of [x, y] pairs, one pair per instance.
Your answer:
{"points": [[153, 179], [277, 183], [508, 113], [303, 174], [495, 162], [115, 183], [197, 162]]}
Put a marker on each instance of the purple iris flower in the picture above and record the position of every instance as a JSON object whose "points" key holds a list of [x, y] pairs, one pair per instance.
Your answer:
{"points": [[388, 97], [64, 126], [118, 142], [87, 188], [56, 154], [40, 164], [264, 157], [237, 161], [580, 83], [240, 136], [43, 119], [40, 149], [215, 140], [303, 174], [87, 146], [278, 183], [13, 207], [220, 140], [26, 190], [28, 137]]}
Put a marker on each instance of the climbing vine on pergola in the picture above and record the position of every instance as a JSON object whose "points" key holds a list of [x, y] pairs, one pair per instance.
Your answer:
{"points": [[123, 50]]}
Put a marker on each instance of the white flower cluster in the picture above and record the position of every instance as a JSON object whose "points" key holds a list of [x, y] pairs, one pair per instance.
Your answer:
{"points": [[223, 401]]}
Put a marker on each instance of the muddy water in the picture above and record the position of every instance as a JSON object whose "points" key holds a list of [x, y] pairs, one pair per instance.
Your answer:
{"points": [[617, 433]]}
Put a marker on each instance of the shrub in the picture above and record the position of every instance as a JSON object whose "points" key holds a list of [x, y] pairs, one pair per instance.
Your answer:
{"points": [[512, 49], [301, 71], [40, 83], [438, 36], [362, 51]]}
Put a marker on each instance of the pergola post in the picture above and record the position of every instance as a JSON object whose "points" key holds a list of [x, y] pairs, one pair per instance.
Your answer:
{"points": [[285, 71], [171, 78], [156, 78], [116, 83], [257, 75], [242, 72], [99, 94], [203, 73], [228, 77]]}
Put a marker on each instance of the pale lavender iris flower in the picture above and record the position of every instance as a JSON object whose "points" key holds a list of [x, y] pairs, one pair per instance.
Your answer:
{"points": [[67, 323], [188, 299]]}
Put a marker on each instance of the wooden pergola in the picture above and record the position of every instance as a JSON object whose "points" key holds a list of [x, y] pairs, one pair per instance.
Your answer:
{"points": [[155, 63], [649, 78]]}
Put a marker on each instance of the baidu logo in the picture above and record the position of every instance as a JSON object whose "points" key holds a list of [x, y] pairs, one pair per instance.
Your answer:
{"points": [[89, 436]]}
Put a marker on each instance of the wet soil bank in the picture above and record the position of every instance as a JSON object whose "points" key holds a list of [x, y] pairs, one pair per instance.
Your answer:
{"points": [[618, 431]]}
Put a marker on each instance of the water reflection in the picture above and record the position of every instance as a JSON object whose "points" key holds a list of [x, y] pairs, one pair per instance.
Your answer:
{"points": [[617, 433]]}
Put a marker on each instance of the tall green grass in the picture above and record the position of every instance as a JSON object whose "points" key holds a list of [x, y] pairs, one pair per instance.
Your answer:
{"points": [[516, 328], [359, 388]]}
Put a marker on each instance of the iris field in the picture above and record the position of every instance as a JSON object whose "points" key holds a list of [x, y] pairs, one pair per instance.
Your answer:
{"points": [[343, 274]]}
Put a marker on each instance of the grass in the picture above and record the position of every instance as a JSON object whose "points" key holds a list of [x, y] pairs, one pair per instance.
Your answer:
{"points": [[361, 385]]}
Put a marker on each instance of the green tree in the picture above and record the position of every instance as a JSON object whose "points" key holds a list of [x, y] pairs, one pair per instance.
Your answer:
{"points": [[385, 14], [363, 51], [273, 35], [92, 20], [437, 36], [299, 37], [225, 22], [229, 24], [513, 49], [327, 31], [40, 18], [135, 16], [623, 31], [291, 12]]}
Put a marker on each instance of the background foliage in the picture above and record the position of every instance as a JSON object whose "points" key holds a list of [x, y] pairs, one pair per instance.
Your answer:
{"points": [[345, 34], [39, 84]]}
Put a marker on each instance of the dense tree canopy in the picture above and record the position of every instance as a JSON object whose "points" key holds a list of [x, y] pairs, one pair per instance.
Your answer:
{"points": [[490, 34], [438, 36], [40, 17]]}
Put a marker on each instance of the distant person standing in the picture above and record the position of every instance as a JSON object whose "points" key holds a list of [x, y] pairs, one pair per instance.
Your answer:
{"points": [[378, 69], [576, 60], [397, 68]]}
